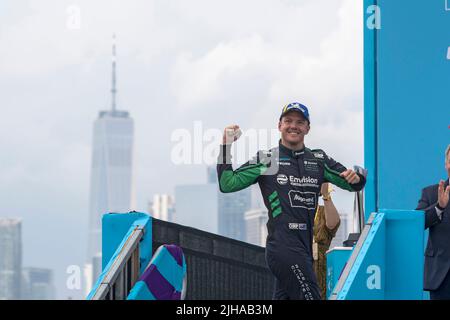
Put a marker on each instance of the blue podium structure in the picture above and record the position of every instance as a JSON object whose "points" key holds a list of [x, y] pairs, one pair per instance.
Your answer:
{"points": [[127, 250], [407, 129], [387, 261], [336, 260], [406, 99]]}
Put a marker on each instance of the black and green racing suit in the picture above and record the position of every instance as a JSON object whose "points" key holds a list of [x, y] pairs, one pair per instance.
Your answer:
{"points": [[290, 183]]}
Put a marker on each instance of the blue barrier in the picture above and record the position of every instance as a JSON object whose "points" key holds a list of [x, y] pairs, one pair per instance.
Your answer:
{"points": [[128, 269], [336, 261], [114, 228], [387, 261], [165, 277], [127, 250]]}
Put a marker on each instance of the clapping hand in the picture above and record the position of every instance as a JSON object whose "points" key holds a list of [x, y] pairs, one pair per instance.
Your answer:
{"points": [[443, 194]]}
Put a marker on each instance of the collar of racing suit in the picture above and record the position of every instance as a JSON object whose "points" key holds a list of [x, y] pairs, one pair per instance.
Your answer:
{"points": [[289, 152]]}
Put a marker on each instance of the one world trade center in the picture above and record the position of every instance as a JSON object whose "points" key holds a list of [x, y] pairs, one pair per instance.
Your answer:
{"points": [[111, 183]]}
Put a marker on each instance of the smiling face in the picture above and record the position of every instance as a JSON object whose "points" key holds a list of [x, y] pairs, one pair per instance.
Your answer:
{"points": [[293, 127]]}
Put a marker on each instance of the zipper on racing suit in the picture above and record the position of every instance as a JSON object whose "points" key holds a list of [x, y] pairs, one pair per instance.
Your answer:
{"points": [[299, 157]]}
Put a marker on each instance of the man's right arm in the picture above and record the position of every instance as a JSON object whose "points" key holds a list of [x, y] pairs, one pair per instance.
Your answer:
{"points": [[431, 212], [235, 180]]}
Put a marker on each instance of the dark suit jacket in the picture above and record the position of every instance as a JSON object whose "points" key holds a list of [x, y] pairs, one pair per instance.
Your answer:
{"points": [[437, 253]]}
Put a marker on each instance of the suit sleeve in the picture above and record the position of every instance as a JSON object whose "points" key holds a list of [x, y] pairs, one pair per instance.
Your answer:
{"points": [[235, 180], [332, 172], [431, 217]]}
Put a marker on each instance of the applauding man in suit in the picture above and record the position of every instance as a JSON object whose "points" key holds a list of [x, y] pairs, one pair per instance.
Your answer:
{"points": [[435, 203]]}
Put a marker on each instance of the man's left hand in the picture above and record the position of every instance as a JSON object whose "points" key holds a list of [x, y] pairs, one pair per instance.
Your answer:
{"points": [[443, 194], [350, 176]]}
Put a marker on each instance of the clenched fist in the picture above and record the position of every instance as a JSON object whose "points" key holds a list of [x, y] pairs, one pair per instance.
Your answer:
{"points": [[350, 176], [231, 134]]}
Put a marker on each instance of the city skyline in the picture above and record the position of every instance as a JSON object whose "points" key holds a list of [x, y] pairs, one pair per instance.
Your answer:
{"points": [[162, 207], [256, 229], [197, 206], [38, 284], [18, 282]]}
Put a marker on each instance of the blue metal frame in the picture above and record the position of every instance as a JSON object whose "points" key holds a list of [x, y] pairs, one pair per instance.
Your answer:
{"points": [[388, 263], [116, 229], [370, 114]]}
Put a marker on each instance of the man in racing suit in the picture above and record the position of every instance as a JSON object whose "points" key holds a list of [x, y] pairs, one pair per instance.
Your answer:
{"points": [[290, 177]]}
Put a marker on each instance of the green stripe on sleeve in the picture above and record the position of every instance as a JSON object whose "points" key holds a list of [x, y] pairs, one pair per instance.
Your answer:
{"points": [[240, 179], [335, 178]]}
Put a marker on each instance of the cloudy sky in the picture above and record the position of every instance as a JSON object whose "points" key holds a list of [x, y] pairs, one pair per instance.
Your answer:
{"points": [[179, 61]]}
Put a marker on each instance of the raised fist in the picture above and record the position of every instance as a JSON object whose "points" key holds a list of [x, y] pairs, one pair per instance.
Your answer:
{"points": [[231, 134]]}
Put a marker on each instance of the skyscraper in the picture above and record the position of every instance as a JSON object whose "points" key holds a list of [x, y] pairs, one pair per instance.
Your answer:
{"points": [[196, 206], [231, 208], [10, 258], [211, 174], [111, 172], [38, 284], [255, 223], [162, 207]]}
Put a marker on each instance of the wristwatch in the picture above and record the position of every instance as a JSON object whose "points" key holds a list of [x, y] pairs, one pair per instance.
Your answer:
{"points": [[327, 196]]}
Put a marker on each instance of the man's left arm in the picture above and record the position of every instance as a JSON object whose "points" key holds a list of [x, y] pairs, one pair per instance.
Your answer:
{"points": [[432, 215], [434, 210], [342, 177]]}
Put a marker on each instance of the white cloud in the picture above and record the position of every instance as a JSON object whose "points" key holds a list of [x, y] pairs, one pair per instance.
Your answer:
{"points": [[322, 76], [59, 34], [198, 80], [329, 81]]}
